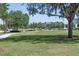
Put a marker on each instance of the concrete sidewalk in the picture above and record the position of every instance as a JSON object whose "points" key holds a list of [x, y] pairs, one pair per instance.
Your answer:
{"points": [[5, 35]]}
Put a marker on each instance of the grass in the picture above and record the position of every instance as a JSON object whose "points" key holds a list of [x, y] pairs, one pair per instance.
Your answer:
{"points": [[40, 43]]}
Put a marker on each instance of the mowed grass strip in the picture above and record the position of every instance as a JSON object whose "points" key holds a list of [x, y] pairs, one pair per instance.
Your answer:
{"points": [[40, 43]]}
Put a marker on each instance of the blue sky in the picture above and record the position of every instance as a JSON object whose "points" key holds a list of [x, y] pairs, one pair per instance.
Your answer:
{"points": [[35, 18]]}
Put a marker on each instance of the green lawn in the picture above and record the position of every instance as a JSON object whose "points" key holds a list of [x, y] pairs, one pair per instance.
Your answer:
{"points": [[40, 43]]}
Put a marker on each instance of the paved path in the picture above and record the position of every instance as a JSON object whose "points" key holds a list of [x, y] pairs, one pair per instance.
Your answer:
{"points": [[5, 35]]}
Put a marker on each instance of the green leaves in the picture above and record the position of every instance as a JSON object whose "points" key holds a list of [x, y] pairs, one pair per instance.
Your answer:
{"points": [[62, 9], [3, 10], [18, 19]]}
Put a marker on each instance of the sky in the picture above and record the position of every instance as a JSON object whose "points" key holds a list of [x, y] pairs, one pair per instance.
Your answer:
{"points": [[35, 18]]}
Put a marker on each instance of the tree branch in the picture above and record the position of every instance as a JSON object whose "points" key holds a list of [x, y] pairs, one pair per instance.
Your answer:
{"points": [[58, 15]]}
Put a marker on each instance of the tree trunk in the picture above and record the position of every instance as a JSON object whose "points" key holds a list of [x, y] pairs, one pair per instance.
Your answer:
{"points": [[70, 29], [5, 26]]}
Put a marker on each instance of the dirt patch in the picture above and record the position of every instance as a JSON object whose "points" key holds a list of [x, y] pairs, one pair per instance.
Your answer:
{"points": [[1, 50]]}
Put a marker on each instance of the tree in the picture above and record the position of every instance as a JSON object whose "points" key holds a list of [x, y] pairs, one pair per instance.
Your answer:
{"points": [[33, 25], [4, 14], [48, 25], [25, 20], [61, 25], [18, 20], [65, 10]]}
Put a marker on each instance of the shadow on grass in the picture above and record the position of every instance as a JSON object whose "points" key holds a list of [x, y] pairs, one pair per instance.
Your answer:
{"points": [[42, 39]]}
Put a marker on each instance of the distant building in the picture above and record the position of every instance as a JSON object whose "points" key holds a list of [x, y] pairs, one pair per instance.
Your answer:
{"points": [[75, 23]]}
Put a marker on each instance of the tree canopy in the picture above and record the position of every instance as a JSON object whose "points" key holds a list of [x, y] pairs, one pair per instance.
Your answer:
{"points": [[17, 19], [65, 10], [12, 19]]}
